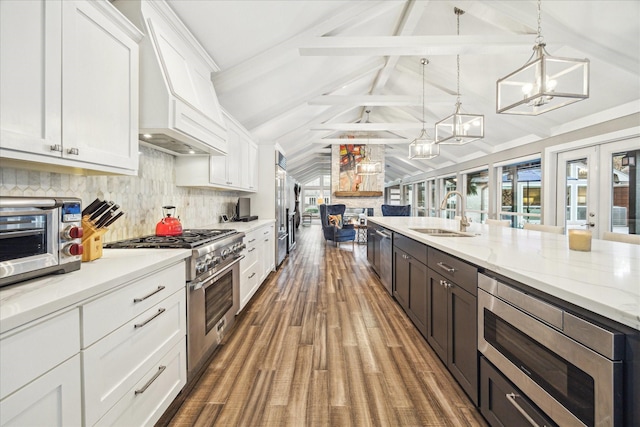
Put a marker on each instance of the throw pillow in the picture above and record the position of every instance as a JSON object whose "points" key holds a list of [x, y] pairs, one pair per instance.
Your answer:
{"points": [[336, 220]]}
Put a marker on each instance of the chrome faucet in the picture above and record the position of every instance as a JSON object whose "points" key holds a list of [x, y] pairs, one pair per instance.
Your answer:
{"points": [[464, 222]]}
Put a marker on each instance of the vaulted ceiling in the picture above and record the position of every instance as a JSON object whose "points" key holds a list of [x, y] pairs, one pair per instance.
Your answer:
{"points": [[303, 73]]}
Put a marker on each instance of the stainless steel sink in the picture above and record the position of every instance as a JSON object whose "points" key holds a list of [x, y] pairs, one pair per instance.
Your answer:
{"points": [[441, 232]]}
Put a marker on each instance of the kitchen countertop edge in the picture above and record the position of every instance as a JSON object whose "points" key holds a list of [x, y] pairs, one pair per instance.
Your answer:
{"points": [[30, 300], [600, 281]]}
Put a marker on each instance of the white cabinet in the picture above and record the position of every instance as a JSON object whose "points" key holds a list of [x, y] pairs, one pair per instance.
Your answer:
{"points": [[40, 373], [69, 83], [257, 263], [51, 400], [141, 343], [235, 171]]}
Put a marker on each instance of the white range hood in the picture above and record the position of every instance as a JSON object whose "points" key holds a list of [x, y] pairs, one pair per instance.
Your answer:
{"points": [[179, 110]]}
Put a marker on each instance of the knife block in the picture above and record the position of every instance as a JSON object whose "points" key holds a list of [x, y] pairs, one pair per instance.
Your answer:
{"points": [[91, 240]]}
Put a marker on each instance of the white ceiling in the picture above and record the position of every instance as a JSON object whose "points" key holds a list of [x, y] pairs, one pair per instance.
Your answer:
{"points": [[288, 69]]}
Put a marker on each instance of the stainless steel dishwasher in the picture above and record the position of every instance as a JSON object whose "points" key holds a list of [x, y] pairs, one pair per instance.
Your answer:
{"points": [[379, 253]]}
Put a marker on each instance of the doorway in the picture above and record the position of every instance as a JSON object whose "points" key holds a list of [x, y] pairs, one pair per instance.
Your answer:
{"points": [[598, 187]]}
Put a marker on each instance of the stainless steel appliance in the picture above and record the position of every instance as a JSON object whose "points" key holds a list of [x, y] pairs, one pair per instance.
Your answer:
{"points": [[571, 368], [39, 236], [213, 287], [379, 253], [281, 208]]}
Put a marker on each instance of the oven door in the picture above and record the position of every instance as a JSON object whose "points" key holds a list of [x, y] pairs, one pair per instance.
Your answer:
{"points": [[212, 306], [28, 241], [572, 384]]}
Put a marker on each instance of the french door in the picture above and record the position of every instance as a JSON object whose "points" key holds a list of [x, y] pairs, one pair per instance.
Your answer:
{"points": [[597, 187]]}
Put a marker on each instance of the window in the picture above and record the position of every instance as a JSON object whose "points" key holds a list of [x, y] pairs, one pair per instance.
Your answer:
{"points": [[625, 194], [432, 202], [519, 199], [392, 195], [407, 194], [420, 207], [314, 194], [449, 184], [477, 195]]}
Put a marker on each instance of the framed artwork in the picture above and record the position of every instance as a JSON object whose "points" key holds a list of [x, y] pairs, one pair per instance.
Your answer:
{"points": [[350, 156]]}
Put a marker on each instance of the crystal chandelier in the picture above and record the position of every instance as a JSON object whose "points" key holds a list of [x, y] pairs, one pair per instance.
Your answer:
{"points": [[459, 128], [423, 147], [544, 83]]}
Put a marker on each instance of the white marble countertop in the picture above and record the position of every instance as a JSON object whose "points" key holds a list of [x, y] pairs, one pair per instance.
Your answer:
{"points": [[605, 281], [30, 300]]}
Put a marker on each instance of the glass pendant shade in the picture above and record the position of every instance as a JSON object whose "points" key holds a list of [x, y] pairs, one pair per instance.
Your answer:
{"points": [[460, 128], [367, 167], [543, 84], [423, 147]]}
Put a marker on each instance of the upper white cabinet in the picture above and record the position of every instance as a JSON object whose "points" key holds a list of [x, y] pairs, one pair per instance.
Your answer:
{"points": [[179, 110], [69, 85], [235, 171]]}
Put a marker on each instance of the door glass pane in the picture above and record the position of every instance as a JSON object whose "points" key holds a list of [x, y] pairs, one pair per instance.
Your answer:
{"points": [[421, 198], [625, 193], [433, 199], [577, 200]]}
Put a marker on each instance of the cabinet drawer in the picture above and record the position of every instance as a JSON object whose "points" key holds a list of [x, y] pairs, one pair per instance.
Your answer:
{"points": [[463, 274], [146, 401], [29, 353], [117, 362], [252, 238], [415, 249], [250, 257], [501, 402], [105, 314]]}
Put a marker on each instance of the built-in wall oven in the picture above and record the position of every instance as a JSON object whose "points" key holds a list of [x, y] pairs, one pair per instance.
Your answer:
{"points": [[569, 367]]}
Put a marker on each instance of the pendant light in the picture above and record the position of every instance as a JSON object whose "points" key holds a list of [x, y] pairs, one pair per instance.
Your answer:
{"points": [[423, 147], [459, 128], [544, 83], [366, 166]]}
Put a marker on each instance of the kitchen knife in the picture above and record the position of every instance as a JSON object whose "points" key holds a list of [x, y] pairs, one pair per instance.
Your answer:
{"points": [[107, 216], [113, 219], [102, 209], [92, 207]]}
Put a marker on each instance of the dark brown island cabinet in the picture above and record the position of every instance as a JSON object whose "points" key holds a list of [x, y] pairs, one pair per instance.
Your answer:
{"points": [[410, 279], [452, 289], [438, 292]]}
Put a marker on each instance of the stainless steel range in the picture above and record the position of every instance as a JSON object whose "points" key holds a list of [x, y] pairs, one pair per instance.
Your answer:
{"points": [[213, 295]]}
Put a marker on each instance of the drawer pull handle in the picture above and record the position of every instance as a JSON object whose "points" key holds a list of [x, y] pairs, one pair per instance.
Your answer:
{"points": [[251, 250], [252, 274], [445, 284], [56, 147], [511, 398], [446, 268], [266, 240], [153, 378], [136, 300], [140, 325], [266, 232], [252, 240], [73, 151]]}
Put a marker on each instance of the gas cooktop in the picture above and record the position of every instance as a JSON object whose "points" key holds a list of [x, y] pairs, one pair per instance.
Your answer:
{"points": [[188, 239]]}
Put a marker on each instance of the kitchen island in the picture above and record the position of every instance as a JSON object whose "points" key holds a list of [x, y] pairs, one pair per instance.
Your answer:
{"points": [[516, 314], [605, 281]]}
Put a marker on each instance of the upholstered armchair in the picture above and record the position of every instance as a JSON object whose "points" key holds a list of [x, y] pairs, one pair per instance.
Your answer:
{"points": [[337, 232], [395, 210]]}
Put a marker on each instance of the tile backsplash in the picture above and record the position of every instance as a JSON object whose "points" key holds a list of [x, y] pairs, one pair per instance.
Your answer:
{"points": [[141, 196]]}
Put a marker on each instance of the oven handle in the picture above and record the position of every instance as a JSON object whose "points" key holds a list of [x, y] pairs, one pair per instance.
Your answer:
{"points": [[194, 286], [511, 398]]}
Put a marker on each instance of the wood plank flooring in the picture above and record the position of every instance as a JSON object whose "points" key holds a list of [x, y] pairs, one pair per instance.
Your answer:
{"points": [[323, 344]]}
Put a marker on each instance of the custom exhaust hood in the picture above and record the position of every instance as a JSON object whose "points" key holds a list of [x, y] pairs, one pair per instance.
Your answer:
{"points": [[179, 109]]}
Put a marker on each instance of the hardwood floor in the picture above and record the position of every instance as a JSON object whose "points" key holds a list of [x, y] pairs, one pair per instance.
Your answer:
{"points": [[323, 344]]}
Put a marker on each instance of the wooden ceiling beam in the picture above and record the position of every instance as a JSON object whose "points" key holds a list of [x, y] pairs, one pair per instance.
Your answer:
{"points": [[416, 45]]}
